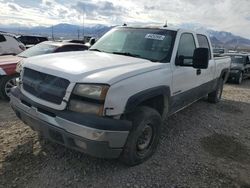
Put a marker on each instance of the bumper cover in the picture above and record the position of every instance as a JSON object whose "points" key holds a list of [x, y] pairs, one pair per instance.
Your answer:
{"points": [[97, 136]]}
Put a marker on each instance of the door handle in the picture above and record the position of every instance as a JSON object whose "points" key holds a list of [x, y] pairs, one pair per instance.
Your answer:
{"points": [[198, 71]]}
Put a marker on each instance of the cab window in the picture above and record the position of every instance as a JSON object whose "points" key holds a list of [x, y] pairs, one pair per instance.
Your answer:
{"points": [[186, 47], [203, 43]]}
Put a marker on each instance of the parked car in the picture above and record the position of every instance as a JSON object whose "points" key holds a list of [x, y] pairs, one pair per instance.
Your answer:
{"points": [[240, 67], [10, 45], [30, 41], [74, 41], [218, 51], [111, 100], [10, 66]]}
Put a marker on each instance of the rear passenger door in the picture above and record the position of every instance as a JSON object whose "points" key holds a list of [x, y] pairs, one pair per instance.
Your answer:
{"points": [[207, 75]]}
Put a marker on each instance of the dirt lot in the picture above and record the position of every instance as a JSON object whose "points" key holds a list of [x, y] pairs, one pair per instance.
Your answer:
{"points": [[205, 145]]}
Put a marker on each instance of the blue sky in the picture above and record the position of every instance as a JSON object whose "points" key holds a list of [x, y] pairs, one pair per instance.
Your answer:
{"points": [[224, 15]]}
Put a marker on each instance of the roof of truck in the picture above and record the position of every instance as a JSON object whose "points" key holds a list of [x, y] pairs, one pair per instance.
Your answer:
{"points": [[162, 27]]}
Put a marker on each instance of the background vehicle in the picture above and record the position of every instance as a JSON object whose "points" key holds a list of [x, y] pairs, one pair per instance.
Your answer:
{"points": [[10, 66], [30, 41], [10, 45], [240, 67], [112, 99], [218, 51]]}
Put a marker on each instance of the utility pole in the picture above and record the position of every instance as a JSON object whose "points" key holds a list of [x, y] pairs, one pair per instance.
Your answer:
{"points": [[52, 32], [83, 12], [78, 33]]}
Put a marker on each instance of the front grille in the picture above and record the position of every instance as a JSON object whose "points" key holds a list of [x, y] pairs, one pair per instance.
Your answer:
{"points": [[44, 86]]}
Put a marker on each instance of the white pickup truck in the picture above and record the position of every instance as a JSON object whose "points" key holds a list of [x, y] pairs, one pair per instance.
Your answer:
{"points": [[110, 101]]}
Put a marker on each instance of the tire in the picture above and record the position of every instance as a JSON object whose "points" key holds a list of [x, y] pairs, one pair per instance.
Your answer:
{"points": [[139, 147], [215, 96], [6, 83], [239, 78]]}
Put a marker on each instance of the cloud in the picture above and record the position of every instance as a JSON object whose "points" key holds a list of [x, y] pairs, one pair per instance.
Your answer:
{"points": [[227, 15], [13, 6], [100, 10]]}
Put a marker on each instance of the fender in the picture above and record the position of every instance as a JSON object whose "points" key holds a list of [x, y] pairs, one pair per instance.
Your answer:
{"points": [[142, 96], [8, 69]]}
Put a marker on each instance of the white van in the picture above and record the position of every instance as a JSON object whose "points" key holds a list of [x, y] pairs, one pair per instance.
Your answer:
{"points": [[10, 45]]}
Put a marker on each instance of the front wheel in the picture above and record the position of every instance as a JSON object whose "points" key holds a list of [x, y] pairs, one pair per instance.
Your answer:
{"points": [[215, 96], [144, 136], [6, 83]]}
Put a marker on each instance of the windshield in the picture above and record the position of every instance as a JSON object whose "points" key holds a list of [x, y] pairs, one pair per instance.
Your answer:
{"points": [[38, 49], [238, 59], [151, 44]]}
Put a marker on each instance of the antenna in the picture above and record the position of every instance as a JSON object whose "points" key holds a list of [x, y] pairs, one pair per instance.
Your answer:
{"points": [[166, 24], [124, 25]]}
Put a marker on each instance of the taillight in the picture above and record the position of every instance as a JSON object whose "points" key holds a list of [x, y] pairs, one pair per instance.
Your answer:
{"points": [[22, 47]]}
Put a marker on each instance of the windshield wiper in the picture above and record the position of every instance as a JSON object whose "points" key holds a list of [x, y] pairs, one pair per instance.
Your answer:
{"points": [[133, 55], [22, 56], [95, 49], [126, 54]]}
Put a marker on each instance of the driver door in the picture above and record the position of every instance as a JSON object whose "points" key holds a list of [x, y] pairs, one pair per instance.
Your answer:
{"points": [[184, 78]]}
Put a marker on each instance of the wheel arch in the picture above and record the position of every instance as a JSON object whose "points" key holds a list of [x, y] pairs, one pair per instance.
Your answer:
{"points": [[157, 98]]}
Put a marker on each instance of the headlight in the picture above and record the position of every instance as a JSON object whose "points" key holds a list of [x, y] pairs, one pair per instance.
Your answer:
{"points": [[85, 107], [97, 92], [19, 66], [88, 98]]}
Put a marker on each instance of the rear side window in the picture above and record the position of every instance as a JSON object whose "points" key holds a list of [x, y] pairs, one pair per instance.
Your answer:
{"points": [[32, 40], [186, 47], [2, 38], [203, 43]]}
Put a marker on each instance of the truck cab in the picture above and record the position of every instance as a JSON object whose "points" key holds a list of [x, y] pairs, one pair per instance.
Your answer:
{"points": [[110, 101]]}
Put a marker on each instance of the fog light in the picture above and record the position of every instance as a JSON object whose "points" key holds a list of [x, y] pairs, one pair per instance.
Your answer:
{"points": [[81, 144]]}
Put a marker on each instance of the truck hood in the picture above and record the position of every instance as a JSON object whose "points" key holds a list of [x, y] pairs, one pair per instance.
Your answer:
{"points": [[9, 59], [90, 66]]}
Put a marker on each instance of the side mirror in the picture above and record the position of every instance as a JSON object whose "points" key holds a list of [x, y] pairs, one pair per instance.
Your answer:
{"points": [[248, 60], [179, 60], [92, 41], [201, 58]]}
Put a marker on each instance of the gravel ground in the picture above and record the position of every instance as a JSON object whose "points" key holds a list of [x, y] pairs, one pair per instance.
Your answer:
{"points": [[205, 145]]}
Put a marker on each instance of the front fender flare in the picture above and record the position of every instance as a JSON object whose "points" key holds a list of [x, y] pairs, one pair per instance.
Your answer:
{"points": [[142, 96]]}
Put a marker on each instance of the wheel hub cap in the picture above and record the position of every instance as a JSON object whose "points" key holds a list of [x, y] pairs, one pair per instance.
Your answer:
{"points": [[10, 84], [145, 138]]}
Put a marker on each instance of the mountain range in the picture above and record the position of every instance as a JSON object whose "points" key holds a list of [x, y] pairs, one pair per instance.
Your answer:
{"points": [[68, 31]]}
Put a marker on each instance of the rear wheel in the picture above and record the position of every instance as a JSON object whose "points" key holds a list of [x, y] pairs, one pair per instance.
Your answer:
{"points": [[6, 83], [144, 136], [215, 96]]}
